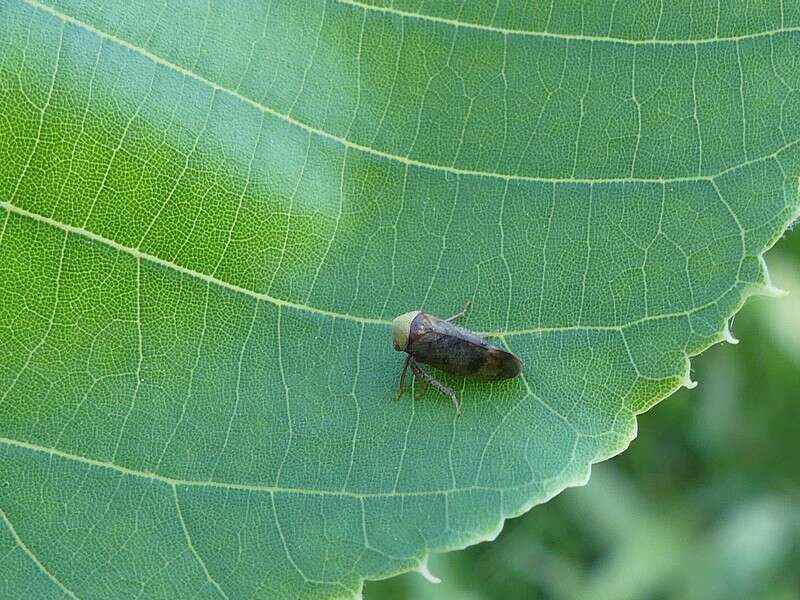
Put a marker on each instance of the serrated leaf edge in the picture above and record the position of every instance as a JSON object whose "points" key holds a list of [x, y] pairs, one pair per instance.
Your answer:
{"points": [[766, 288]]}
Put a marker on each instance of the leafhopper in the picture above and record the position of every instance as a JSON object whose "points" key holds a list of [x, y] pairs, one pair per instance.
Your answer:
{"points": [[453, 349]]}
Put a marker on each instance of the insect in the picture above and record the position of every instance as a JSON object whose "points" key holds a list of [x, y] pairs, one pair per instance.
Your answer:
{"points": [[437, 342]]}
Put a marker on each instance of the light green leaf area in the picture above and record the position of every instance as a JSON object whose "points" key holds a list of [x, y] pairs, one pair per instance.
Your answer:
{"points": [[212, 211]]}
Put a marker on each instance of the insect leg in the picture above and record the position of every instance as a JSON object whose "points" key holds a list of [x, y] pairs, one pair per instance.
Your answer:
{"points": [[445, 389], [461, 314], [401, 389], [420, 387]]}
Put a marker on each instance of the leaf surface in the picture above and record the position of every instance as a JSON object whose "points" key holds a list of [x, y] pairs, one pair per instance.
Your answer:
{"points": [[211, 213]]}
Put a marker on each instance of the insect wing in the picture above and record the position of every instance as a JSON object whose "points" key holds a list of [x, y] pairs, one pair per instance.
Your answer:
{"points": [[499, 364], [459, 351]]}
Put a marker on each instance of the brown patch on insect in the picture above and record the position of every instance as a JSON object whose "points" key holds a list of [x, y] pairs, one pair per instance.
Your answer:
{"points": [[453, 349]]}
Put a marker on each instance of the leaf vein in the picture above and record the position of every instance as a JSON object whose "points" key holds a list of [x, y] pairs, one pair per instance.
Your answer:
{"points": [[361, 147], [566, 36], [191, 545], [245, 487], [33, 557], [329, 313]]}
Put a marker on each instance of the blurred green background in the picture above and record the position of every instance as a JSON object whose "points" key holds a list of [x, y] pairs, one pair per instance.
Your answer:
{"points": [[704, 504]]}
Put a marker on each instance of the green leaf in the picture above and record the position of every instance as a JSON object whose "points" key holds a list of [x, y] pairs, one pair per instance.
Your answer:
{"points": [[212, 211]]}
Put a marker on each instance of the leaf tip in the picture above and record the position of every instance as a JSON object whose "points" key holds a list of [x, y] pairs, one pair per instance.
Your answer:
{"points": [[422, 569], [773, 291], [767, 288], [727, 335], [688, 383], [687, 376]]}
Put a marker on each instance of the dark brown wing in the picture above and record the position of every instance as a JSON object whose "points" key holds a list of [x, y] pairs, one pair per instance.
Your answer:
{"points": [[459, 351]]}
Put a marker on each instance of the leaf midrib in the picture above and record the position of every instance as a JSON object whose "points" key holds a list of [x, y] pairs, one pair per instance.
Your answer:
{"points": [[232, 287]]}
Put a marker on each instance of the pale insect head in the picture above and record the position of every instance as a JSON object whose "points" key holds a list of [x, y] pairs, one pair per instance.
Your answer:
{"points": [[401, 326]]}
